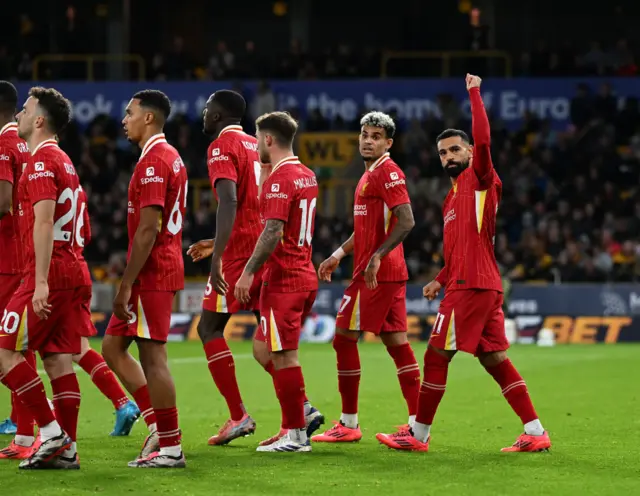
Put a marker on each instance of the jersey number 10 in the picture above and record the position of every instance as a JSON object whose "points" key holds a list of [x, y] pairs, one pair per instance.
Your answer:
{"points": [[306, 221]]}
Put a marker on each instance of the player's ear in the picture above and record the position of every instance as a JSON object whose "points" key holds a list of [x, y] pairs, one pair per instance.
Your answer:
{"points": [[149, 117], [389, 143]]}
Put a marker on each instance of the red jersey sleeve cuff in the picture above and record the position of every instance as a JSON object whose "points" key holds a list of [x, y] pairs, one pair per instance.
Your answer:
{"points": [[230, 177], [274, 216], [152, 202], [398, 202], [43, 196], [6, 176], [441, 279]]}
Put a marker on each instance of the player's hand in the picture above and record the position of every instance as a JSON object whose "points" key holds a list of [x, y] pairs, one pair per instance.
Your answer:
{"points": [[327, 267], [218, 283], [121, 303], [243, 287], [371, 272], [473, 81], [431, 290], [41, 306], [201, 250]]}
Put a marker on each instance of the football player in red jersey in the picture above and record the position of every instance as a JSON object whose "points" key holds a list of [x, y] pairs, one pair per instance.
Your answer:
{"points": [[154, 272], [234, 172], [41, 314], [88, 359], [287, 207], [470, 317], [375, 300], [14, 156]]}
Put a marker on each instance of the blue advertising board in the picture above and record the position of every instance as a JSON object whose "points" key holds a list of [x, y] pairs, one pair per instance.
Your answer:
{"points": [[507, 99], [577, 313]]}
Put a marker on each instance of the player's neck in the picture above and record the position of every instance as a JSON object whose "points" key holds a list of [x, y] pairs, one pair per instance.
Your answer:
{"points": [[150, 133], [454, 181], [280, 155], [6, 119], [37, 138], [223, 124]]}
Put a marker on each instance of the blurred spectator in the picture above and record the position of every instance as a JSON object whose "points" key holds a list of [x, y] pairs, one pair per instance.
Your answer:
{"points": [[265, 100]]}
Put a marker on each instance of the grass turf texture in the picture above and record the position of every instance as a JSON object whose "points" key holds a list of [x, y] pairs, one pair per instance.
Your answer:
{"points": [[587, 397]]}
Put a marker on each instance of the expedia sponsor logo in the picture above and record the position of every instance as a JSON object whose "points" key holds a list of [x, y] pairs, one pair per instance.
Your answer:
{"points": [[130, 208], [279, 196], [41, 175], [218, 158], [155, 179], [395, 183], [5, 158]]}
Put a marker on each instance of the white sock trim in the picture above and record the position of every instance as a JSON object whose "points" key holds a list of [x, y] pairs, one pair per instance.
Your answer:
{"points": [[350, 420]]}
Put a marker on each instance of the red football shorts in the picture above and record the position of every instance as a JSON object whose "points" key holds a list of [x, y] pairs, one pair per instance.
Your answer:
{"points": [[218, 303], [83, 295], [21, 329], [383, 309], [282, 316], [470, 320], [151, 316], [8, 285]]}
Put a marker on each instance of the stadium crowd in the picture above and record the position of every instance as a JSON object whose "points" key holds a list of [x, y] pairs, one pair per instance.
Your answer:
{"points": [[570, 210]]}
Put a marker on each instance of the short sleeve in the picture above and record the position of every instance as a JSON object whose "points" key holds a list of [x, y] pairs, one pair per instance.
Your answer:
{"points": [[6, 164], [86, 227], [392, 187], [277, 194], [153, 180], [41, 181], [222, 162]]}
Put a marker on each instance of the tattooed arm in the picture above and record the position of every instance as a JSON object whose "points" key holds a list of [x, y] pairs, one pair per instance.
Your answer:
{"points": [[265, 246], [399, 232]]}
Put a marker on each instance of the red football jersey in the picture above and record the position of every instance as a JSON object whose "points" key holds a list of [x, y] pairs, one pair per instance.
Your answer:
{"points": [[290, 194], [160, 179], [470, 211], [14, 156], [233, 155], [380, 189], [83, 235], [50, 175]]}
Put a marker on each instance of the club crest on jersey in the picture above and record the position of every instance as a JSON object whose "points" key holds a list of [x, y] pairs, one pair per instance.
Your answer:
{"points": [[39, 166], [364, 186]]}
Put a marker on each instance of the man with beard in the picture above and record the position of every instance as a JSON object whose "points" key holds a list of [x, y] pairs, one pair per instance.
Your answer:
{"points": [[235, 171], [470, 317], [375, 300]]}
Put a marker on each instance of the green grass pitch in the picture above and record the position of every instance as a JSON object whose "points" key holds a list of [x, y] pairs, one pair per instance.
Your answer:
{"points": [[587, 397]]}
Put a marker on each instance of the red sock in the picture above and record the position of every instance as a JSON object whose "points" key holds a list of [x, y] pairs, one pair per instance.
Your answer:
{"points": [[141, 397], [24, 381], [168, 430], [348, 372], [408, 374], [24, 418], [290, 391], [270, 369], [104, 379], [514, 390], [19, 414], [66, 401], [433, 385], [223, 371]]}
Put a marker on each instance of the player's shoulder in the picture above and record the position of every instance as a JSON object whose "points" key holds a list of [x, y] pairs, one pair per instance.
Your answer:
{"points": [[161, 156], [387, 167]]}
